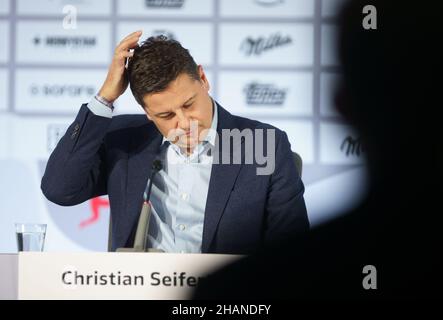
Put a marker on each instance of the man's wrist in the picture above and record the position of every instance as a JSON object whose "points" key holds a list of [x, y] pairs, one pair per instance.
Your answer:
{"points": [[104, 101]]}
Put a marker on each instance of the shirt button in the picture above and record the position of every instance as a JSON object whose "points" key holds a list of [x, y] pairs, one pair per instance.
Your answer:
{"points": [[181, 227], [185, 196]]}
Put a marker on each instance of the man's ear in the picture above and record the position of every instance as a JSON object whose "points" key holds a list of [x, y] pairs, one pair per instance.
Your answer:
{"points": [[147, 114], [145, 109], [203, 78]]}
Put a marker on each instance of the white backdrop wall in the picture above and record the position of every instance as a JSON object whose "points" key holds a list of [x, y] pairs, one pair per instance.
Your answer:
{"points": [[272, 60]]}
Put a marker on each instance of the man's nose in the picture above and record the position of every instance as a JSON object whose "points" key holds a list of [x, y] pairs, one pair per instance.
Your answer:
{"points": [[183, 120]]}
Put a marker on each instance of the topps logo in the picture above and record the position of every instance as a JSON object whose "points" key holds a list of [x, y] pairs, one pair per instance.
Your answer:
{"points": [[264, 94]]}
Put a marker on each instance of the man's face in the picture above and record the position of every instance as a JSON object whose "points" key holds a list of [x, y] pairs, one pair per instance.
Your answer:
{"points": [[183, 105]]}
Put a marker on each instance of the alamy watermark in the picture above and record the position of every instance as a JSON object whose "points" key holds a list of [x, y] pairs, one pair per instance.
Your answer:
{"points": [[370, 279], [232, 146], [370, 19], [70, 18]]}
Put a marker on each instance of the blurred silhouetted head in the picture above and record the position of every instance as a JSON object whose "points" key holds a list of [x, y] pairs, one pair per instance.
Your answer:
{"points": [[391, 90]]}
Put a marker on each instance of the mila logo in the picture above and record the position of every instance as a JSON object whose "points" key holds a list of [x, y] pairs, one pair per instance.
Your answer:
{"points": [[352, 146], [65, 42], [256, 46], [269, 3], [264, 94], [164, 3]]}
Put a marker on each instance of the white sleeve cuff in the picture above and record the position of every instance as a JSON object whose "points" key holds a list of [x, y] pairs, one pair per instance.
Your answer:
{"points": [[99, 109]]}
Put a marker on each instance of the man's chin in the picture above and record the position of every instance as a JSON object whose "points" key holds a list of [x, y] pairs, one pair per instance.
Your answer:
{"points": [[186, 144]]}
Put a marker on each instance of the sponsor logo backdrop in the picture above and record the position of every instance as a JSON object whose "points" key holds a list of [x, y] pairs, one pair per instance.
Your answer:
{"points": [[272, 60]]}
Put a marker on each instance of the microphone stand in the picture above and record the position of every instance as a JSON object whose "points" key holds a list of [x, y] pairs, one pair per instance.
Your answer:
{"points": [[141, 235]]}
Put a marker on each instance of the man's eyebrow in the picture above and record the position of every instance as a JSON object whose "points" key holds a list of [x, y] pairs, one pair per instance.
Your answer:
{"points": [[168, 112], [163, 113], [190, 99]]}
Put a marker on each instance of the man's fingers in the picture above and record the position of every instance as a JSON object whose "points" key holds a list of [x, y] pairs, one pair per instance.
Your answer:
{"points": [[129, 42], [123, 56], [139, 33], [127, 54]]}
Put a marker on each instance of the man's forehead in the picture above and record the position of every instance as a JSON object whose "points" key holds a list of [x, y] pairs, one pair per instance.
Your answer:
{"points": [[180, 90], [167, 101]]}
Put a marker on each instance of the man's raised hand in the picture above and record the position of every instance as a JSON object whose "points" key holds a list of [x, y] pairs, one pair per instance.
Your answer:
{"points": [[117, 81]]}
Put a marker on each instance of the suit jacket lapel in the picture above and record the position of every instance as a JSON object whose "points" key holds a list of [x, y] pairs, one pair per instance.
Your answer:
{"points": [[144, 148], [223, 177]]}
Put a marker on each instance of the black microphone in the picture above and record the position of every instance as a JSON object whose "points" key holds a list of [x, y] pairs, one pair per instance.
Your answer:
{"points": [[146, 209], [156, 167]]}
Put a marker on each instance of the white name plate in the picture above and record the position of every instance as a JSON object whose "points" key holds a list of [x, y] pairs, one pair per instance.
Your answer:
{"points": [[156, 276]]}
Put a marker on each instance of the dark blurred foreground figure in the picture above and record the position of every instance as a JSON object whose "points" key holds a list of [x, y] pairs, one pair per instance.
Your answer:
{"points": [[391, 94]]}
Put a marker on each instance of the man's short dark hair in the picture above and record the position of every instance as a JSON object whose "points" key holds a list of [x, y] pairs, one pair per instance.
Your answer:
{"points": [[156, 63]]}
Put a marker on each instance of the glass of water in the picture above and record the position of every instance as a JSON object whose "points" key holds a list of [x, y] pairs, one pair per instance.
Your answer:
{"points": [[30, 236]]}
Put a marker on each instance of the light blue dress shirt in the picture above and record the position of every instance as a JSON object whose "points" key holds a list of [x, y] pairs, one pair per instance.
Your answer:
{"points": [[179, 192]]}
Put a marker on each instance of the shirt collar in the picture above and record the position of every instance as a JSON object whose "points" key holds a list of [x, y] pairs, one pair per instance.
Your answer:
{"points": [[210, 137]]}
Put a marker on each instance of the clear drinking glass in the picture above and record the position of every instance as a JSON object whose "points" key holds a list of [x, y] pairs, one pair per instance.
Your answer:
{"points": [[30, 236]]}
